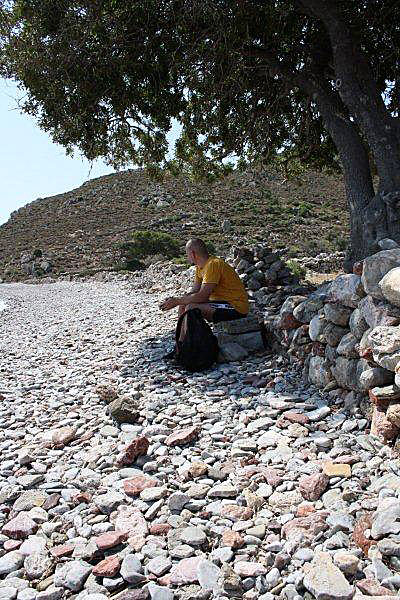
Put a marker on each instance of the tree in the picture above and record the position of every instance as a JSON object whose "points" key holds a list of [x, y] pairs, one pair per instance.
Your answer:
{"points": [[312, 79]]}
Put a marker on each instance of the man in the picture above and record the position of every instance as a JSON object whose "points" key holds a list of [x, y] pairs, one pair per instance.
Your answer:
{"points": [[217, 291]]}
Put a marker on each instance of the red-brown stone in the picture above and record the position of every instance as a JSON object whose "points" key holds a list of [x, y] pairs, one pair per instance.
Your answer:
{"points": [[159, 528], [108, 567], [181, 437], [370, 587], [288, 322], [303, 510], [134, 486], [295, 417], [51, 501], [313, 486], [318, 349], [63, 436], [82, 497], [110, 539], [364, 523], [185, 571], [233, 539], [305, 527], [234, 512], [11, 545], [381, 426], [137, 447]]}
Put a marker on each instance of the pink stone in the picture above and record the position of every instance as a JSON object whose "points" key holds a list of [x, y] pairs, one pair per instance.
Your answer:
{"points": [[181, 437], [138, 447], [20, 527], [370, 587], [236, 513], [295, 417], [232, 539], [11, 545], [108, 567], [313, 486], [129, 519], [134, 486], [63, 550], [185, 571], [381, 426], [160, 528], [109, 539], [305, 527], [249, 569]]}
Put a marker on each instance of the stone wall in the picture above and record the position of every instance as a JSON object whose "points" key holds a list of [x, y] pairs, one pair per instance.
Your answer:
{"points": [[347, 335]]}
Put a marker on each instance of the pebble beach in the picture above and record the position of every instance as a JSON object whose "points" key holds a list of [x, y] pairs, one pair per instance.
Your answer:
{"points": [[240, 482]]}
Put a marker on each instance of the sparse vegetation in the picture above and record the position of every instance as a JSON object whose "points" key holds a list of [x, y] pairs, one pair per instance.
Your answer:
{"points": [[143, 244]]}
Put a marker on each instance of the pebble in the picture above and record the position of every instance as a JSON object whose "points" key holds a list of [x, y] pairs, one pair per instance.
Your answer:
{"points": [[208, 489]]}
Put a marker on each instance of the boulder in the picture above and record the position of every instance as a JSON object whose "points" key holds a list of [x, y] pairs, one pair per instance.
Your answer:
{"points": [[375, 377], [337, 314], [390, 286], [347, 290], [325, 581], [385, 346], [387, 244], [318, 325], [319, 371], [244, 325], [250, 341], [376, 267], [378, 312], [347, 372], [232, 351], [333, 334], [330, 354], [307, 310], [348, 346], [381, 427], [124, 409], [393, 414], [357, 323]]}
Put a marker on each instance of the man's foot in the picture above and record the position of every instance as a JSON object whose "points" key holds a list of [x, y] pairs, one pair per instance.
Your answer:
{"points": [[170, 356]]}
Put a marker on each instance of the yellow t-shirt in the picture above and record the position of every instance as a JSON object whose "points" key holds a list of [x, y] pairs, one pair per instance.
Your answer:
{"points": [[229, 286]]}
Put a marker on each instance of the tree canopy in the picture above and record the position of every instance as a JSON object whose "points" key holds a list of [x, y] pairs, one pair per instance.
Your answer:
{"points": [[317, 80]]}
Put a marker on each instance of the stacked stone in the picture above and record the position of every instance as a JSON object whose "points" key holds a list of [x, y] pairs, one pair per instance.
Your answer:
{"points": [[347, 333], [261, 268]]}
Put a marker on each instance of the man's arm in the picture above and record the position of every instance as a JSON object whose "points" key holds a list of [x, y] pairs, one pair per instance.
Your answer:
{"points": [[195, 297]]}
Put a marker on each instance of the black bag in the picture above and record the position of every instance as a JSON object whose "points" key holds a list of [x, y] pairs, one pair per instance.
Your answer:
{"points": [[198, 349]]}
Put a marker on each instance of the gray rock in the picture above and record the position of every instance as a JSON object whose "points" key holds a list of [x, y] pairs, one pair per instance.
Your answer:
{"points": [[386, 520], [11, 562], [72, 575], [347, 290], [333, 334], [348, 346], [317, 328], [307, 310], [51, 593], [158, 592], [385, 345], [379, 312], [177, 501], [325, 581], [319, 371], [387, 244], [375, 377], [337, 314], [390, 286], [131, 569], [358, 325], [8, 593], [375, 268], [208, 574], [36, 565], [347, 372], [193, 536], [159, 565]]}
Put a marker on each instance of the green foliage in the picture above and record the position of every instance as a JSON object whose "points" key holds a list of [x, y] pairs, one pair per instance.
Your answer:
{"points": [[143, 244], [295, 268]]}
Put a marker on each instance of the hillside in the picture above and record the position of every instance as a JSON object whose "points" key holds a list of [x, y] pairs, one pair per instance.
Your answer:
{"points": [[78, 231]]}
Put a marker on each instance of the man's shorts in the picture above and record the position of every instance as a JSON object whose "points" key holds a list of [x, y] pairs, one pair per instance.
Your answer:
{"points": [[225, 312]]}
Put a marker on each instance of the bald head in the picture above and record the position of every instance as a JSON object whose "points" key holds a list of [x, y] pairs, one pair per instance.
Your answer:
{"points": [[196, 251]]}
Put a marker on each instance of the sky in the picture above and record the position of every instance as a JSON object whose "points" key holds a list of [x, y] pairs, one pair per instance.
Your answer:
{"points": [[31, 165]]}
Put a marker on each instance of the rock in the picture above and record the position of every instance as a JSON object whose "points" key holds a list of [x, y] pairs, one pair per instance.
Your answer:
{"points": [[177, 501], [346, 562], [109, 539], [131, 569], [236, 513], [313, 486], [378, 312], [319, 371], [232, 539], [307, 310], [386, 394], [332, 469], [29, 499], [36, 565], [347, 372], [347, 290], [375, 377], [134, 486], [193, 536], [358, 325], [249, 569], [305, 528], [232, 352], [348, 346], [20, 527], [363, 524], [11, 562], [129, 519], [390, 286], [373, 589], [381, 427], [387, 244], [182, 437], [376, 267], [138, 447], [63, 436], [106, 503], [124, 409], [72, 575], [158, 592], [109, 567], [337, 314], [317, 328], [325, 581], [159, 565], [333, 334], [186, 571], [386, 520], [393, 414], [107, 393], [208, 575]]}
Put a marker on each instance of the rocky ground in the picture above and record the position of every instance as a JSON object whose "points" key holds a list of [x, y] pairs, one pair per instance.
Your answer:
{"points": [[243, 481]]}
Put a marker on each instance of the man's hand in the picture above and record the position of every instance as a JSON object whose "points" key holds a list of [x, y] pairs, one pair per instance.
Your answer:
{"points": [[169, 303]]}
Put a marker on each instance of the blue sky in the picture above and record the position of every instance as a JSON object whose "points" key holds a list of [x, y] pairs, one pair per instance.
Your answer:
{"points": [[31, 165]]}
